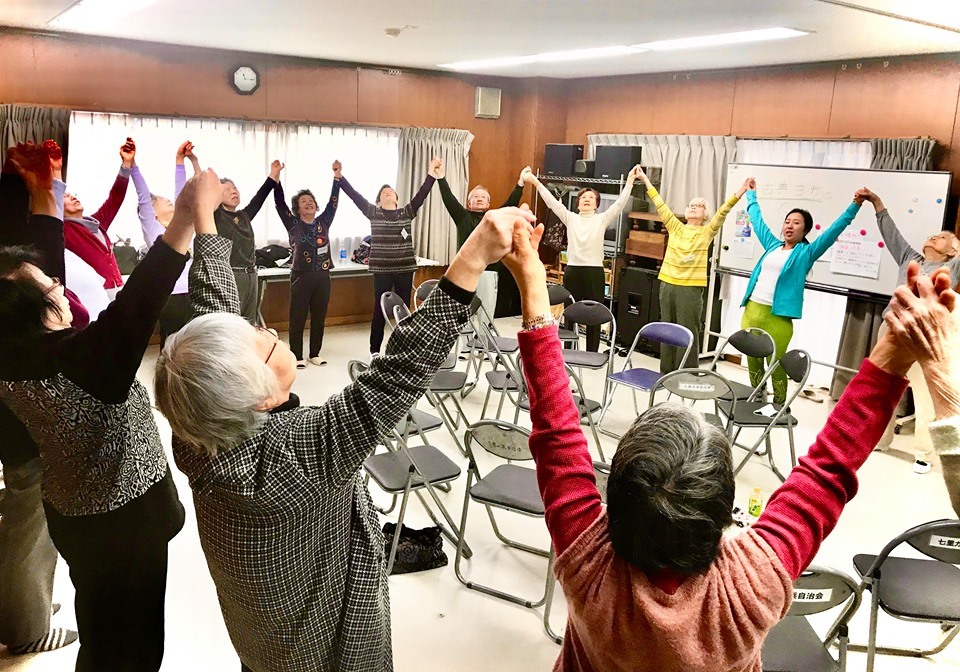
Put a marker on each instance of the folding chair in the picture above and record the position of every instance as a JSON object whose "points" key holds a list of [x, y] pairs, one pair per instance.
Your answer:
{"points": [[486, 344], [793, 645], [504, 376], [406, 469], [402, 311], [389, 302], [914, 589], [561, 296], [796, 364], [422, 291], [641, 378], [693, 385], [592, 314], [508, 487], [752, 342]]}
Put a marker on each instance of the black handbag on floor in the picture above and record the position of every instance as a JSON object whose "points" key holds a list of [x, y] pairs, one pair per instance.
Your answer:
{"points": [[417, 550]]}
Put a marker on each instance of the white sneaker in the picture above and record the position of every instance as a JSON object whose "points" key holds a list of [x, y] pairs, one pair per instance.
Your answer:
{"points": [[301, 364], [921, 467], [318, 361]]}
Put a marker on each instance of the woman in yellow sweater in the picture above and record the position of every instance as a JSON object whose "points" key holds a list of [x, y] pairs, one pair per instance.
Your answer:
{"points": [[683, 274]]}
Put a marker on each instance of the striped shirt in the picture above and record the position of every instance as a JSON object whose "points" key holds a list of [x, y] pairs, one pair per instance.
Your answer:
{"points": [[391, 231]]}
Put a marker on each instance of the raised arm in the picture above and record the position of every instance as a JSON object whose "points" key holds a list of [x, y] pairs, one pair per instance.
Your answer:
{"points": [[805, 509], [417, 201], [330, 211], [764, 235], [455, 209], [31, 174], [550, 200], [367, 208], [513, 200], [333, 440], [253, 207], [829, 237], [613, 212], [212, 285], [670, 221], [108, 211], [564, 466], [287, 217], [716, 222], [893, 240], [152, 229]]}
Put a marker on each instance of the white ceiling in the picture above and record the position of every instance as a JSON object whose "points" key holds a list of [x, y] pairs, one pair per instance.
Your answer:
{"points": [[454, 30]]}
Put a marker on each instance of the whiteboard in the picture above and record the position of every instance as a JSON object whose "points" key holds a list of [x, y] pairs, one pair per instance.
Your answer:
{"points": [[857, 263]]}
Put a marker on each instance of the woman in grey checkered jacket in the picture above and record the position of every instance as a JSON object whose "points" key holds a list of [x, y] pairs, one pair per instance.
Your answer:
{"points": [[290, 534]]}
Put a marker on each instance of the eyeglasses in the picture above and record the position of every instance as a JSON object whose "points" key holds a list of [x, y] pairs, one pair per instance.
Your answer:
{"points": [[272, 332]]}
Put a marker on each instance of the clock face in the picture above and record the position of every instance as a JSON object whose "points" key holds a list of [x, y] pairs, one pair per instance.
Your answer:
{"points": [[245, 80]]}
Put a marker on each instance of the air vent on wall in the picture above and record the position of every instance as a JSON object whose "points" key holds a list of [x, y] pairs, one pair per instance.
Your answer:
{"points": [[487, 104]]}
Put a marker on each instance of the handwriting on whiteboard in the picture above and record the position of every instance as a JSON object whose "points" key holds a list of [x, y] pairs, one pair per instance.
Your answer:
{"points": [[855, 254]]}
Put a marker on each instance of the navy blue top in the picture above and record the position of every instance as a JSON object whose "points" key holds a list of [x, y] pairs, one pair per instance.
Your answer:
{"points": [[310, 241]]}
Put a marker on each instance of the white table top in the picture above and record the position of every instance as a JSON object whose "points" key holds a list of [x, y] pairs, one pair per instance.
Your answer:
{"points": [[340, 268]]}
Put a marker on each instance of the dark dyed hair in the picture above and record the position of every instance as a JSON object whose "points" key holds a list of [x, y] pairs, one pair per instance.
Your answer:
{"points": [[386, 186], [596, 195], [23, 303], [670, 493], [295, 201], [807, 221]]}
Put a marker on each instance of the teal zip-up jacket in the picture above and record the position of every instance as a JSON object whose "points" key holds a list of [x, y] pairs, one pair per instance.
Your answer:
{"points": [[788, 292]]}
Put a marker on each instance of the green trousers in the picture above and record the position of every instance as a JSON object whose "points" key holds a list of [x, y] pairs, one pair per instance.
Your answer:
{"points": [[683, 306], [781, 329]]}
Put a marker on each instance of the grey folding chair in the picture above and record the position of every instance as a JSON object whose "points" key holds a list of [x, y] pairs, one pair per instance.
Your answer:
{"points": [[406, 469], [914, 589], [752, 342], [401, 312], [642, 378], [793, 645], [485, 344], [508, 487], [561, 296], [592, 314], [693, 385], [746, 414], [389, 302], [504, 376], [422, 291]]}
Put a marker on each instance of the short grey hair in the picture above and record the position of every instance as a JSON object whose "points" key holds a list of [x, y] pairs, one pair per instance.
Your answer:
{"points": [[210, 383], [700, 200], [671, 490]]}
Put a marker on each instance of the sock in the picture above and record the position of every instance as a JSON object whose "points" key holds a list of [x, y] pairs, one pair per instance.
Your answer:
{"points": [[55, 639]]}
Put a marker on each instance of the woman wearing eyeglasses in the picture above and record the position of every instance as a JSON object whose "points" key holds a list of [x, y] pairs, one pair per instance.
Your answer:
{"points": [[941, 250], [110, 502]]}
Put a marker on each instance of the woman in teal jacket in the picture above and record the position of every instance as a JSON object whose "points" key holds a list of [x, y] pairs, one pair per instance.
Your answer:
{"points": [[774, 297]]}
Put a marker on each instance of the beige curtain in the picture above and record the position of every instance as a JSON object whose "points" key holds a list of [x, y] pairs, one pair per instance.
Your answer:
{"points": [[902, 153], [693, 165], [23, 123], [434, 235]]}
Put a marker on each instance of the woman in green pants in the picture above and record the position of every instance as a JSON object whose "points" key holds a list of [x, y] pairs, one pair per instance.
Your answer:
{"points": [[774, 297]]}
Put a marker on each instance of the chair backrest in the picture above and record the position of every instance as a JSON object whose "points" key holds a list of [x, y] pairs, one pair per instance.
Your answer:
{"points": [[559, 295], [355, 367], [423, 291], [695, 385], [939, 540], [796, 364], [667, 333], [503, 439], [400, 312], [388, 301], [588, 313], [752, 342], [821, 588]]}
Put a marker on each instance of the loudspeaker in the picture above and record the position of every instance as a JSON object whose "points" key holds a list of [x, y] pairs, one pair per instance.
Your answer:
{"points": [[560, 159], [614, 161], [638, 304], [487, 103], [584, 168]]}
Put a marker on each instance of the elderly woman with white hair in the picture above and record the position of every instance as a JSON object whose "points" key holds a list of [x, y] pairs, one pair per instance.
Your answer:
{"points": [[291, 537], [940, 250], [683, 274]]}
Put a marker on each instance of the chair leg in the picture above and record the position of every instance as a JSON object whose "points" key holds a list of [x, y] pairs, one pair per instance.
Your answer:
{"points": [[872, 634], [486, 400], [548, 606], [453, 534], [793, 449], [636, 406], [510, 542], [461, 538], [403, 510]]}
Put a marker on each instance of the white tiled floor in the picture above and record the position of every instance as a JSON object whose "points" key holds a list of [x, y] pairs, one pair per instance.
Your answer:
{"points": [[440, 625]]}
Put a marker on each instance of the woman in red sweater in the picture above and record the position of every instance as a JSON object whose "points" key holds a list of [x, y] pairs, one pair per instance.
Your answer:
{"points": [[654, 568]]}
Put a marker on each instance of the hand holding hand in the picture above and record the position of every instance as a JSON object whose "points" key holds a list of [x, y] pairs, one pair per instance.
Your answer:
{"points": [[527, 175], [493, 237], [337, 169], [56, 158], [751, 184], [34, 165], [275, 168], [436, 167], [746, 186], [634, 174], [197, 201], [523, 261], [128, 153]]}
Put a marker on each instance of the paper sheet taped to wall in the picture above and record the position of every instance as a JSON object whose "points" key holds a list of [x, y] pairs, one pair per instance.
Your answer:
{"points": [[856, 254]]}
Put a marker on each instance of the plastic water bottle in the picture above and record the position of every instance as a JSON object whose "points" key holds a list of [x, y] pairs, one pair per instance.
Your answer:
{"points": [[343, 254], [755, 505]]}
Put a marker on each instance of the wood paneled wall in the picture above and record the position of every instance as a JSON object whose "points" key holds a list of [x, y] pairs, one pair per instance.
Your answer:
{"points": [[893, 97]]}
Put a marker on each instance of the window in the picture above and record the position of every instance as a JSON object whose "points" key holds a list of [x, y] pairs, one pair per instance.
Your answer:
{"points": [[240, 150]]}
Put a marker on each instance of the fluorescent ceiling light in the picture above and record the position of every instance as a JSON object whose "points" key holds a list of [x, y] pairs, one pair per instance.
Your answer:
{"points": [[546, 57], [96, 13], [761, 35]]}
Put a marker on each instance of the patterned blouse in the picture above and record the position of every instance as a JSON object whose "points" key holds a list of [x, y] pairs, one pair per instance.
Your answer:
{"points": [[290, 534], [310, 241]]}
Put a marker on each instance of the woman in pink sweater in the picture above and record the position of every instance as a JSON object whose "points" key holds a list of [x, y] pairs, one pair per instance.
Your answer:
{"points": [[651, 582]]}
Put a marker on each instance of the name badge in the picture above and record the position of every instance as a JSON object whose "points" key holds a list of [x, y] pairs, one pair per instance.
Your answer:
{"points": [[322, 250]]}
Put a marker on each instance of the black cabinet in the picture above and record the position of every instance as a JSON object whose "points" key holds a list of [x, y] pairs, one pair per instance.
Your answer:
{"points": [[638, 304]]}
